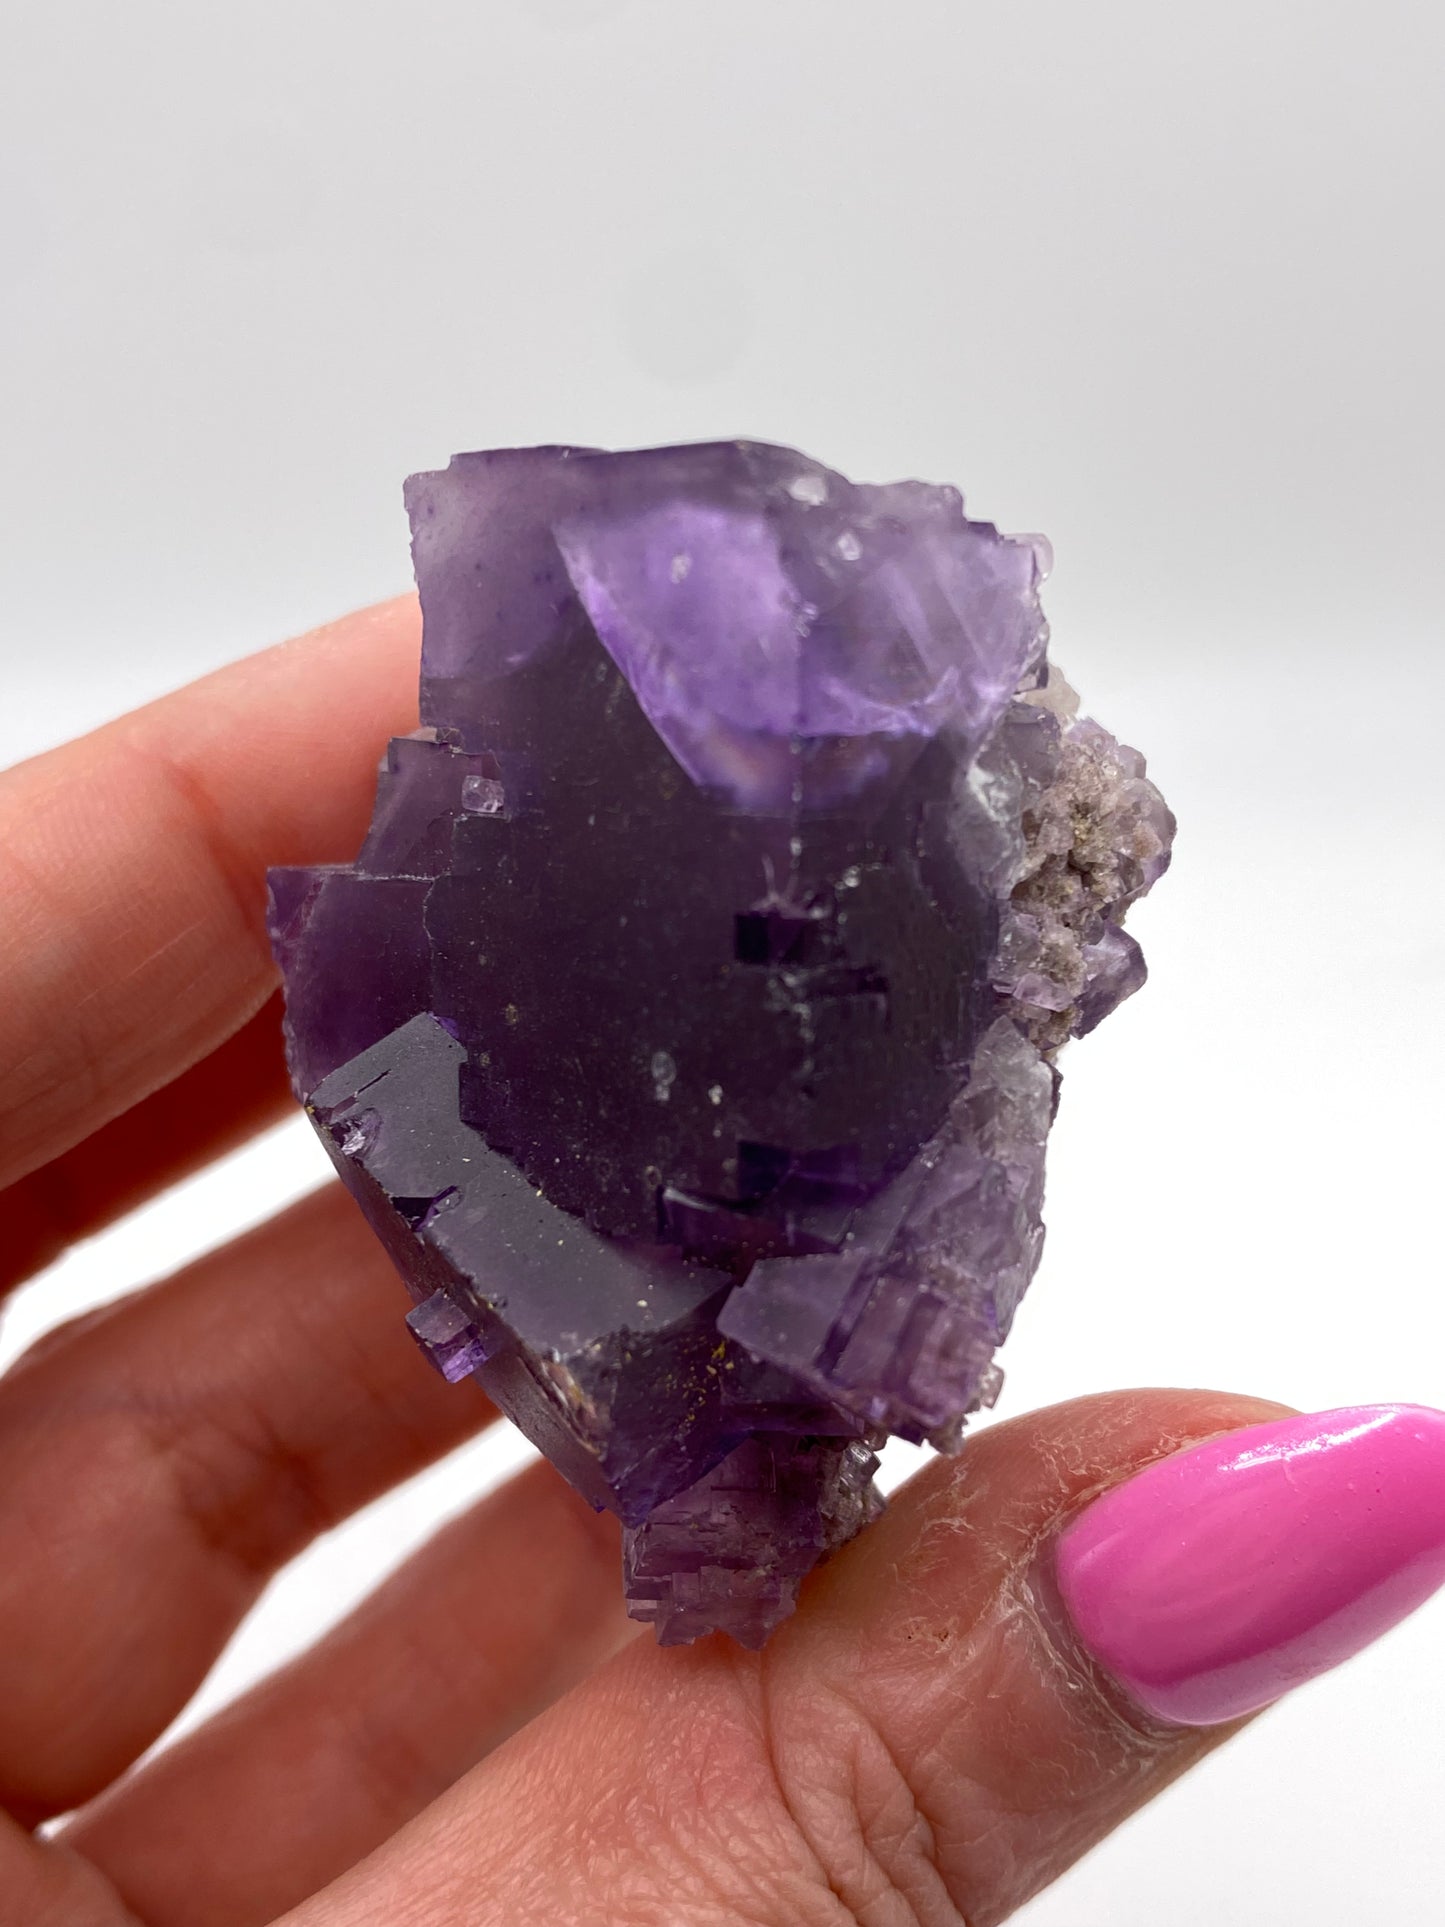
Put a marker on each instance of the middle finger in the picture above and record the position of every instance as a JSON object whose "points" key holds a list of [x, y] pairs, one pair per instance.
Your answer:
{"points": [[493, 1620], [163, 1458]]}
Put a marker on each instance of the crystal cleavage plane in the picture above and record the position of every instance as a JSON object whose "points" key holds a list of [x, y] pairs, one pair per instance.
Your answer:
{"points": [[686, 1027]]}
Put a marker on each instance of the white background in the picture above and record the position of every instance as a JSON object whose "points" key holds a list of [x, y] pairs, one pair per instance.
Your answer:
{"points": [[1164, 281]]}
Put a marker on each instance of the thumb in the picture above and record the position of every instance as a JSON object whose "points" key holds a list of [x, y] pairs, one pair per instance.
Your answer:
{"points": [[1037, 1637]]}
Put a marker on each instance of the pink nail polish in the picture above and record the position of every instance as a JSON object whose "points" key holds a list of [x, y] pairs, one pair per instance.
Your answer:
{"points": [[1218, 1578]]}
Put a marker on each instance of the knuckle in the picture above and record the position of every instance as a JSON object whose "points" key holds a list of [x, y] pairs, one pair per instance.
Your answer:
{"points": [[694, 1828], [856, 1803]]}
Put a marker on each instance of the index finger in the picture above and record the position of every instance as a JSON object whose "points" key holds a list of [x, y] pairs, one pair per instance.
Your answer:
{"points": [[132, 868]]}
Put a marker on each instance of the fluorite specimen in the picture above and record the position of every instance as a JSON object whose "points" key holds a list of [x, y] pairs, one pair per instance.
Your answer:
{"points": [[686, 1026]]}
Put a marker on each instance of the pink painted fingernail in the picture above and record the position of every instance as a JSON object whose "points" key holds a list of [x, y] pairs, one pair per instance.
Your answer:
{"points": [[1218, 1578]]}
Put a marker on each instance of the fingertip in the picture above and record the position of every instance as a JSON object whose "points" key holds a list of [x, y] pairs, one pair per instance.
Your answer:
{"points": [[1023, 1478], [1222, 1576]]}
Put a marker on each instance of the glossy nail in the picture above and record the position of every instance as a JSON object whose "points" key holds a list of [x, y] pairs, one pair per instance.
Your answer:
{"points": [[1222, 1576]]}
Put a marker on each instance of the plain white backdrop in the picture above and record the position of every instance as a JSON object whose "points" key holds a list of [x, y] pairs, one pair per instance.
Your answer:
{"points": [[1166, 282]]}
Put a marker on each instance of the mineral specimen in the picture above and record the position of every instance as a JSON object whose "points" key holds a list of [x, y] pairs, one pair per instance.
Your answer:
{"points": [[686, 1026]]}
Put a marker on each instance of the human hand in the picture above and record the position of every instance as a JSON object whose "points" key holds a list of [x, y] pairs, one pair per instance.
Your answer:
{"points": [[486, 1740]]}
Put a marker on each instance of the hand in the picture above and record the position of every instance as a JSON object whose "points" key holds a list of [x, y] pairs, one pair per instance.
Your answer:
{"points": [[486, 1740]]}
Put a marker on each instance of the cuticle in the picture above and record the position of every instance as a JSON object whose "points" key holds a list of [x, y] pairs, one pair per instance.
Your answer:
{"points": [[1038, 1585]]}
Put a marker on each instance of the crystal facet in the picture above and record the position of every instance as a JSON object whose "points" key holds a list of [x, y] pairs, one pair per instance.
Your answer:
{"points": [[687, 1024]]}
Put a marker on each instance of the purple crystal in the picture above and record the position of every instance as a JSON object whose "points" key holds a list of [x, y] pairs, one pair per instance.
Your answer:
{"points": [[686, 1026], [448, 1338], [732, 1549]]}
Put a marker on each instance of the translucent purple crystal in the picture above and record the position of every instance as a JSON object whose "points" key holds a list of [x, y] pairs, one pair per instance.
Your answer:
{"points": [[687, 1025]]}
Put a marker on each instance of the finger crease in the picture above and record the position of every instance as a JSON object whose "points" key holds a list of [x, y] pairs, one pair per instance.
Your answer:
{"points": [[779, 1779], [209, 822], [245, 1492]]}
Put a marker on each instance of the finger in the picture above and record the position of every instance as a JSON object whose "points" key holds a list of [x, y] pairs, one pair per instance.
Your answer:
{"points": [[132, 939], [210, 1109], [165, 1456], [44, 1886], [924, 1741], [483, 1629]]}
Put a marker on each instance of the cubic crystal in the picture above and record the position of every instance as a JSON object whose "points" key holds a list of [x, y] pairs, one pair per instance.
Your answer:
{"points": [[687, 1024]]}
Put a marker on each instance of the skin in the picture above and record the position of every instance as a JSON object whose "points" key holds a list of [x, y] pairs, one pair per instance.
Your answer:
{"points": [[486, 1739]]}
